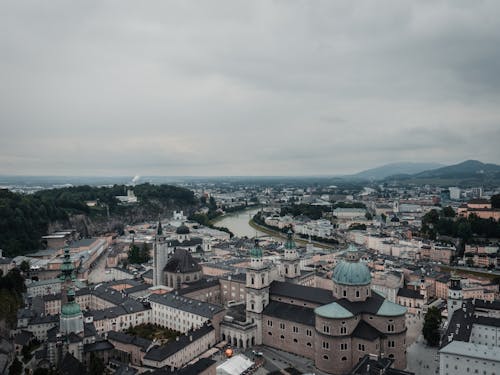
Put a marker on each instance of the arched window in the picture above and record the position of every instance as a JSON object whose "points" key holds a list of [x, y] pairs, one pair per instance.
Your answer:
{"points": [[357, 293], [344, 358], [325, 357], [345, 293]]}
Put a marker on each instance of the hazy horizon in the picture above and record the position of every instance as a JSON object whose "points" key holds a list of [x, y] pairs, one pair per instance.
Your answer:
{"points": [[230, 88]]}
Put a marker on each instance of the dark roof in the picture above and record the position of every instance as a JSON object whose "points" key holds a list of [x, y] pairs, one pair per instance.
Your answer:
{"points": [[463, 319], [187, 243], [23, 338], [205, 309], [199, 285], [160, 353], [183, 229], [71, 366], [5, 260], [197, 367], [89, 330], [370, 306], [144, 344], [490, 305], [369, 366], [85, 242], [148, 274], [366, 332], [479, 201], [410, 293], [182, 261], [294, 313], [98, 346], [299, 292]]}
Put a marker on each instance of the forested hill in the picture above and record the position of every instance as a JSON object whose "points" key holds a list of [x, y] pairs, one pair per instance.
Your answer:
{"points": [[25, 218]]}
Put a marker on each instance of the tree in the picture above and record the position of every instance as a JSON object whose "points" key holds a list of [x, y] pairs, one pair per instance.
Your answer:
{"points": [[133, 254], [368, 216], [448, 212], [495, 201], [432, 322], [25, 266], [16, 368], [144, 253], [383, 217]]}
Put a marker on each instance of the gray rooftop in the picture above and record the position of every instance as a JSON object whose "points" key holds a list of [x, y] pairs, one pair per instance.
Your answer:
{"points": [[205, 309]]}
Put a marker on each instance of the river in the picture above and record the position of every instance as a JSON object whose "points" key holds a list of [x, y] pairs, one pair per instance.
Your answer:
{"points": [[237, 223]]}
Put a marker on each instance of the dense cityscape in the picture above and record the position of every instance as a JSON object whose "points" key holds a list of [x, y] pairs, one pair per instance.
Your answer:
{"points": [[280, 276], [254, 187]]}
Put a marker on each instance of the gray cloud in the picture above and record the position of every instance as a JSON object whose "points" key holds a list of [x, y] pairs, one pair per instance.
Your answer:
{"points": [[231, 88]]}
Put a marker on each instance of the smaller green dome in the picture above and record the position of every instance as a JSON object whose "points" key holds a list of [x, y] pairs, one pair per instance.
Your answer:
{"points": [[70, 309], [256, 252], [290, 243]]}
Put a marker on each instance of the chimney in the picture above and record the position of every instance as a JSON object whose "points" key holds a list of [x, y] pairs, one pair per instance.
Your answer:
{"points": [[190, 337], [177, 338]]}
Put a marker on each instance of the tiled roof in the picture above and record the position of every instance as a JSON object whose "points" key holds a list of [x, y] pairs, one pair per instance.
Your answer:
{"points": [[366, 331], [294, 313], [300, 292], [205, 309], [160, 353]]}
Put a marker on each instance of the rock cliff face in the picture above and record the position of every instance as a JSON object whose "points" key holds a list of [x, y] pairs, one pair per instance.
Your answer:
{"points": [[87, 226]]}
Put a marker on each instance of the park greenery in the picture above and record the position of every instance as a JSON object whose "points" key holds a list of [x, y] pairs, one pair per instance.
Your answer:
{"points": [[138, 255], [432, 323], [207, 219], [152, 332], [24, 218], [468, 229], [11, 289]]}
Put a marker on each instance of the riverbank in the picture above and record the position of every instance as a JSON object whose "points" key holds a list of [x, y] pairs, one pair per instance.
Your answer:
{"points": [[282, 236]]}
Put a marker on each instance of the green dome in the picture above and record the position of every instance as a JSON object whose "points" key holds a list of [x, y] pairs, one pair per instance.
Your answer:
{"points": [[71, 308], [351, 272], [290, 243], [256, 252]]}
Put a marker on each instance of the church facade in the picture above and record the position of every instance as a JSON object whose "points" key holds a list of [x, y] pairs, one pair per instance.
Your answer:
{"points": [[333, 328]]}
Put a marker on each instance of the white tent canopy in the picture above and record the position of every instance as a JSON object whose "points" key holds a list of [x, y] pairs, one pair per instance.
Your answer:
{"points": [[234, 366]]}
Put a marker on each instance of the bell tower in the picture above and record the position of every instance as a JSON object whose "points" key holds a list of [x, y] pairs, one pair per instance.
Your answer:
{"points": [[291, 261], [257, 289], [455, 295]]}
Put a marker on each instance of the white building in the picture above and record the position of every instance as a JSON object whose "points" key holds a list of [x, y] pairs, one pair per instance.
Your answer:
{"points": [[465, 358], [454, 193]]}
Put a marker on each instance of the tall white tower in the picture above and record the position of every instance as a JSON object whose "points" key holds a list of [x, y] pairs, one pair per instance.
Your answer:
{"points": [[160, 256], [455, 295], [257, 289], [291, 261]]}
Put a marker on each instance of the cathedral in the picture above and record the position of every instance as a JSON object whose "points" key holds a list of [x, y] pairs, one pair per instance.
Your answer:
{"points": [[334, 328], [179, 249]]}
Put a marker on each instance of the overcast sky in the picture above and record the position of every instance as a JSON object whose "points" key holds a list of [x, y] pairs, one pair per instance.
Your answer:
{"points": [[246, 88]]}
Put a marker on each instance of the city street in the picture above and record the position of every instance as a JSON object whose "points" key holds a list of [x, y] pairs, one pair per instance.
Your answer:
{"points": [[422, 359]]}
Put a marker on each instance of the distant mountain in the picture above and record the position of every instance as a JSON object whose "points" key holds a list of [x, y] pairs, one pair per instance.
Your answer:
{"points": [[393, 169], [466, 169]]}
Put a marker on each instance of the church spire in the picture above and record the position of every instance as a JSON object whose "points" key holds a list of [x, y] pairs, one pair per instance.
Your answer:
{"points": [[159, 230], [290, 243]]}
